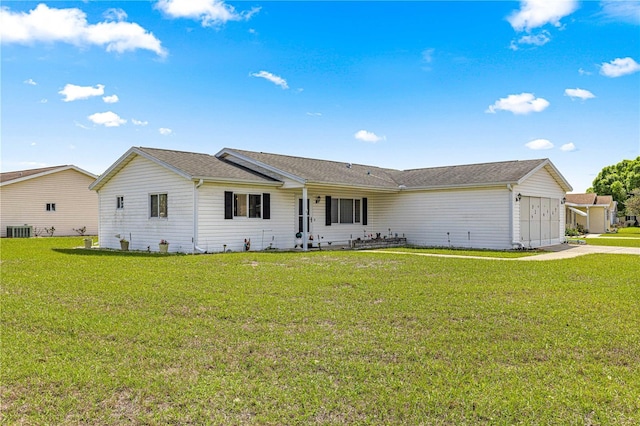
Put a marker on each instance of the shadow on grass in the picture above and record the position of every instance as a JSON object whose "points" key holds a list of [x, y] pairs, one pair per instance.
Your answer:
{"points": [[113, 253]]}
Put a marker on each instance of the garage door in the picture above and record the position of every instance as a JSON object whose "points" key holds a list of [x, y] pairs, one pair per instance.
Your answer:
{"points": [[539, 221]]}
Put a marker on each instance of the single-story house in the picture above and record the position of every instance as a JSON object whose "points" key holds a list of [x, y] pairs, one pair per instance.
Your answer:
{"points": [[594, 213], [50, 197], [211, 203]]}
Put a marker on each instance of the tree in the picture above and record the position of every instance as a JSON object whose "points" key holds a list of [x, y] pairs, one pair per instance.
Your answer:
{"points": [[633, 203], [618, 180]]}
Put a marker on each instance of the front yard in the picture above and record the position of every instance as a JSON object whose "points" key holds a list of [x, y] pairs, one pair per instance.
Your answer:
{"points": [[99, 337]]}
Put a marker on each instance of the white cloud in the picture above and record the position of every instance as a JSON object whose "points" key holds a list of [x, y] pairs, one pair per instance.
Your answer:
{"points": [[536, 40], [164, 131], [366, 136], [579, 93], [584, 72], [82, 126], [114, 14], [538, 13], [139, 122], [277, 80], [71, 92], [625, 11], [107, 119], [539, 144], [427, 55], [208, 12], [44, 101], [568, 147], [30, 82], [619, 67], [44, 24], [314, 114], [112, 99], [524, 103]]}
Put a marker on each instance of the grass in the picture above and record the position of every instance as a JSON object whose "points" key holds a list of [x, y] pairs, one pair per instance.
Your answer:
{"points": [[617, 242], [94, 337], [464, 252], [629, 232]]}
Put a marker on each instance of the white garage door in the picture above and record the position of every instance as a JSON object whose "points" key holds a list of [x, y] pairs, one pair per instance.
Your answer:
{"points": [[539, 221]]}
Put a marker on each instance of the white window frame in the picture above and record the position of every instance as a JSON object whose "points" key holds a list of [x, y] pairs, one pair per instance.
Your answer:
{"points": [[120, 202], [337, 213], [159, 214], [242, 205], [50, 207]]}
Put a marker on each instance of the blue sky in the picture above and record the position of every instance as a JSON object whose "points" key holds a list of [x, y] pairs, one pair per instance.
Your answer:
{"points": [[393, 84]]}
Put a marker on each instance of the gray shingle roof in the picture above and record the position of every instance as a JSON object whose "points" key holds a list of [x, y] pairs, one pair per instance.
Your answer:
{"points": [[470, 174], [323, 171], [202, 165], [259, 167]]}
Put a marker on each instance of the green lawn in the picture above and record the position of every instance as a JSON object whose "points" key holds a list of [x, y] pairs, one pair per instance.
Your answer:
{"points": [[332, 337], [630, 232], [620, 242], [463, 252]]}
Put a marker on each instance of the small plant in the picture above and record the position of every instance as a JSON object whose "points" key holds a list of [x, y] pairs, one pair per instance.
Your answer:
{"points": [[81, 231], [50, 231], [37, 231], [164, 242]]}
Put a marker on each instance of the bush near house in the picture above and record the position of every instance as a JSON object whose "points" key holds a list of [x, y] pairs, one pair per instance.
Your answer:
{"points": [[323, 337]]}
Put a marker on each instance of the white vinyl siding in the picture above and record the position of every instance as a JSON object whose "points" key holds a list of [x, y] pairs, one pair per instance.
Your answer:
{"points": [[469, 218], [137, 182], [215, 232], [26, 202], [540, 187]]}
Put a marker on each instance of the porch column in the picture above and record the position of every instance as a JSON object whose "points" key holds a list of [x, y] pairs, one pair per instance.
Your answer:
{"points": [[305, 213], [588, 217]]}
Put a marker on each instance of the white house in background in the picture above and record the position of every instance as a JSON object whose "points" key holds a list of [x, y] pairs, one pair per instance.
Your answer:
{"points": [[209, 203], [57, 197], [595, 213]]}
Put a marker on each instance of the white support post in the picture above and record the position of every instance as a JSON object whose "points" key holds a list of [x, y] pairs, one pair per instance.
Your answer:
{"points": [[305, 215]]}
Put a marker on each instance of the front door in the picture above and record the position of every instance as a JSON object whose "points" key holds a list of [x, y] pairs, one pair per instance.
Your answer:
{"points": [[301, 216]]}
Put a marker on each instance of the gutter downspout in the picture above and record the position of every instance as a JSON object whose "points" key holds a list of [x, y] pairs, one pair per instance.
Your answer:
{"points": [[511, 221], [195, 217]]}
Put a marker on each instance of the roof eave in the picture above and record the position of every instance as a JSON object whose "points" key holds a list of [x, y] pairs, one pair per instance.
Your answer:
{"points": [[49, 172], [210, 179], [555, 173], [230, 152], [124, 159]]}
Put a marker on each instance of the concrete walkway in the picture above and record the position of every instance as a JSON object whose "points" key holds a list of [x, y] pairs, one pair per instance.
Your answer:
{"points": [[561, 251], [566, 251]]}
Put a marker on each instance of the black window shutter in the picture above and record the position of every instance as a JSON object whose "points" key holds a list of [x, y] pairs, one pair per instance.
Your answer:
{"points": [[228, 205], [364, 211], [327, 210], [266, 206]]}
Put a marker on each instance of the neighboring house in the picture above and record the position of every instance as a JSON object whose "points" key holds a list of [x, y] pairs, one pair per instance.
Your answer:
{"points": [[50, 197], [209, 203], [595, 213]]}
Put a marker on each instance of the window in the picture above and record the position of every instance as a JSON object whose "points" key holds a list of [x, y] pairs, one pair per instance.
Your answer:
{"points": [[159, 205], [247, 205], [51, 207], [345, 210], [120, 202]]}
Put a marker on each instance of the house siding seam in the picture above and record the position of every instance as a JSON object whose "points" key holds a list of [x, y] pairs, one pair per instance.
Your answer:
{"points": [[470, 218], [540, 185], [136, 183], [76, 206]]}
